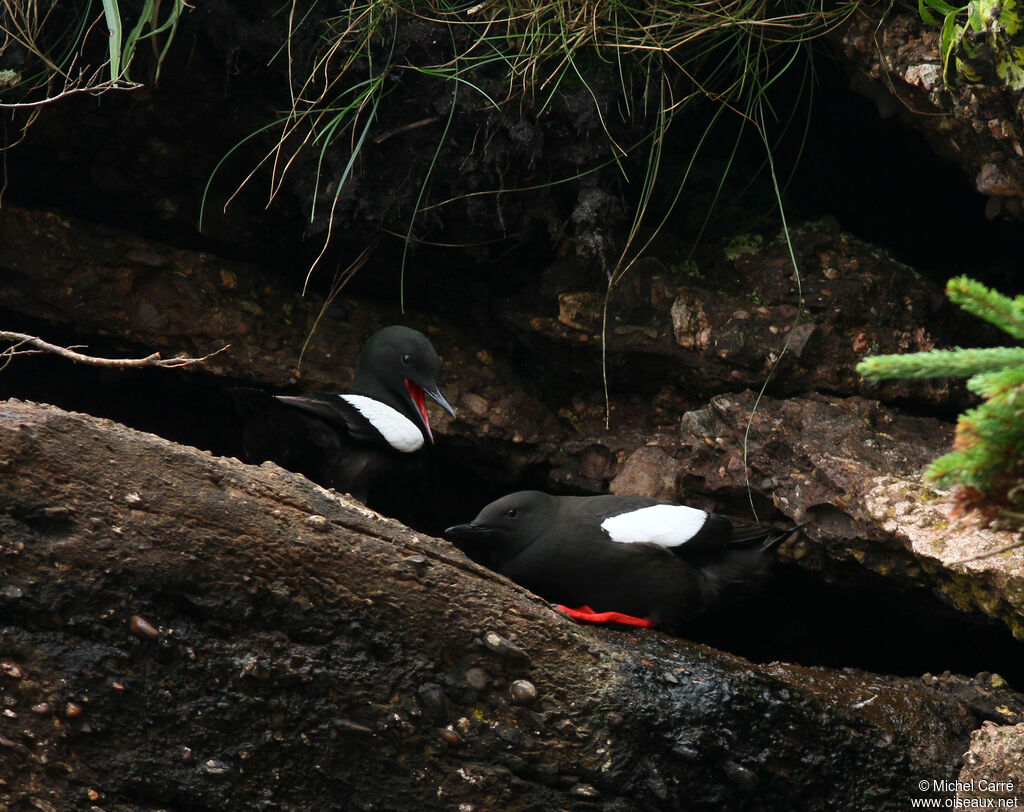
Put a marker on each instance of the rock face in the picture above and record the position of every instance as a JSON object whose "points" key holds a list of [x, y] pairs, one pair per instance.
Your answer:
{"points": [[183, 630], [850, 469], [895, 60], [994, 765]]}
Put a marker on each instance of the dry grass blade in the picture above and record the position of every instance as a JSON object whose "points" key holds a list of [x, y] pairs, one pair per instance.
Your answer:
{"points": [[667, 53]]}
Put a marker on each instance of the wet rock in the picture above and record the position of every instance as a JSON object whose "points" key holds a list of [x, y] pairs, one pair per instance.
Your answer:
{"points": [[798, 730]]}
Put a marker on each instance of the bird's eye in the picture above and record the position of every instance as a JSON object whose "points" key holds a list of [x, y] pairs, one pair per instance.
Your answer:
{"points": [[407, 359], [511, 513]]}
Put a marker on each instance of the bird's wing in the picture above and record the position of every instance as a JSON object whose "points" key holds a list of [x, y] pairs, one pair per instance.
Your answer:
{"points": [[683, 530], [336, 411]]}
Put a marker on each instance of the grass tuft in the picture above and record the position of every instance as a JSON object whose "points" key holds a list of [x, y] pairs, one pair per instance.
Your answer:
{"points": [[519, 56]]}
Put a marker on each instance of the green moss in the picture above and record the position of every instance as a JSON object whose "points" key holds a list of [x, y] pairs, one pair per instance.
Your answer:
{"points": [[687, 269], [741, 245]]}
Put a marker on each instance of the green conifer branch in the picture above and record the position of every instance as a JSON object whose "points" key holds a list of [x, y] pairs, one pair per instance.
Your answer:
{"points": [[941, 363], [990, 384], [986, 466], [1002, 311]]}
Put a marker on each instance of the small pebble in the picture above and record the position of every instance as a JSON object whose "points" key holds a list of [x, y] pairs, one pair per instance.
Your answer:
{"points": [[740, 775], [215, 766], [12, 670], [141, 627], [151, 317], [522, 692], [72, 710], [476, 678], [451, 736], [320, 524], [499, 645], [585, 791], [476, 404], [433, 702], [508, 734]]}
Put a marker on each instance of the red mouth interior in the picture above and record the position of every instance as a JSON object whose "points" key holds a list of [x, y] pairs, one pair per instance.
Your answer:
{"points": [[418, 398]]}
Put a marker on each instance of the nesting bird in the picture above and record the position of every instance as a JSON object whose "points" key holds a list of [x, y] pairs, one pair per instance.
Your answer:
{"points": [[625, 559], [370, 441]]}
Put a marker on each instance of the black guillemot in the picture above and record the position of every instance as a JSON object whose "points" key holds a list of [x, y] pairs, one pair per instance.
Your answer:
{"points": [[368, 441], [622, 559]]}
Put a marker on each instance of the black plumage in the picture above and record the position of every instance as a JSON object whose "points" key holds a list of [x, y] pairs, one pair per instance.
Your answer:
{"points": [[372, 440], [635, 555]]}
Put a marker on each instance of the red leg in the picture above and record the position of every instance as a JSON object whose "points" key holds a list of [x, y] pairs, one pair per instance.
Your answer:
{"points": [[587, 615]]}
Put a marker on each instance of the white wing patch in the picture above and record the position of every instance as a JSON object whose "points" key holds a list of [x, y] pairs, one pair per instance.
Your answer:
{"points": [[667, 525], [399, 431]]}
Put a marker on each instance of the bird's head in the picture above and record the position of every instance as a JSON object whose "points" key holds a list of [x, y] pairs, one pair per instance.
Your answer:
{"points": [[505, 527], [399, 365]]}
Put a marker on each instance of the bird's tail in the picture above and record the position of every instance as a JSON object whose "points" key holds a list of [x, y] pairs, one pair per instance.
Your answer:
{"points": [[762, 536], [736, 576]]}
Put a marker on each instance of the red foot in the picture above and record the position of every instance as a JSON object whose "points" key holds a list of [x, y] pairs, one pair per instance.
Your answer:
{"points": [[588, 615]]}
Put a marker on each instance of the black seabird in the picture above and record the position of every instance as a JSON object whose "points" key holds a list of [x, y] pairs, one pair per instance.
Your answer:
{"points": [[625, 559], [369, 441]]}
